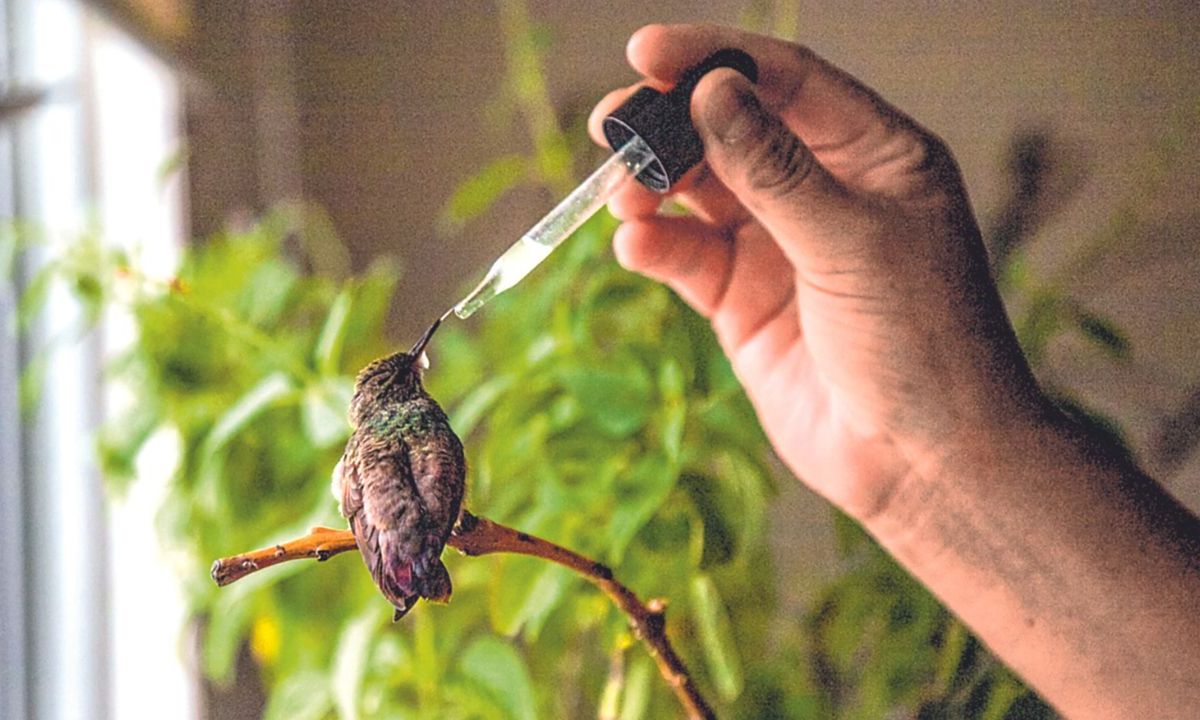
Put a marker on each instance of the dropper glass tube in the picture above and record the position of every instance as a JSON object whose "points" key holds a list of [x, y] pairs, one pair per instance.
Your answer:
{"points": [[536, 244]]}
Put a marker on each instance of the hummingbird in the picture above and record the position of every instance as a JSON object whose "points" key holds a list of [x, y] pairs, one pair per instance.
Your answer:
{"points": [[401, 479]]}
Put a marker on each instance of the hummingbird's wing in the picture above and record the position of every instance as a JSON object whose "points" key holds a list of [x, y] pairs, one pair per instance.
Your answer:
{"points": [[391, 524], [439, 473]]}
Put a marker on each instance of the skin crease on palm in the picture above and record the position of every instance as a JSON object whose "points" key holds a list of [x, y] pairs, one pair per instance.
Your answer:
{"points": [[838, 293], [832, 245]]}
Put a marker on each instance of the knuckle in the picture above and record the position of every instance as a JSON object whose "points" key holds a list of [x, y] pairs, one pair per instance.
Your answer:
{"points": [[802, 55], [934, 163], [781, 162], [929, 153], [918, 164]]}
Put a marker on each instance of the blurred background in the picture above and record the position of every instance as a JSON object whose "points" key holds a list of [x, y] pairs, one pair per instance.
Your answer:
{"points": [[214, 212]]}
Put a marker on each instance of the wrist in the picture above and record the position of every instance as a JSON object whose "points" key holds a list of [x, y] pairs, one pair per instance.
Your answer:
{"points": [[988, 459], [1074, 567]]}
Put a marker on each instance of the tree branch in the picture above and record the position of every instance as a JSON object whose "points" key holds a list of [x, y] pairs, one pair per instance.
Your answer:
{"points": [[475, 536]]}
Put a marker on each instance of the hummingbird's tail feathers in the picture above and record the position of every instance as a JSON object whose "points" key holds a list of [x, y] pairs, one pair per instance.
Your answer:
{"points": [[430, 575], [405, 577], [402, 610]]}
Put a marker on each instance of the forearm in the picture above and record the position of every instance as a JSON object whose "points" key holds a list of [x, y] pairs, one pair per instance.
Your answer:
{"points": [[1076, 569]]}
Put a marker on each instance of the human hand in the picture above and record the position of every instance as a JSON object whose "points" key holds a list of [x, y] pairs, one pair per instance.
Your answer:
{"points": [[833, 248]]}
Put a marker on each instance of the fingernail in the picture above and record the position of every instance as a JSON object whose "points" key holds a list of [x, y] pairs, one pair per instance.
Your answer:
{"points": [[731, 110]]}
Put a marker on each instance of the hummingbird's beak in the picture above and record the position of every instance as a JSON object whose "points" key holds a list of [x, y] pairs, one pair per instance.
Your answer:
{"points": [[418, 350]]}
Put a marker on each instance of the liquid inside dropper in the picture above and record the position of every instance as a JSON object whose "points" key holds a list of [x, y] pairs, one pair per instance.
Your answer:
{"points": [[535, 245]]}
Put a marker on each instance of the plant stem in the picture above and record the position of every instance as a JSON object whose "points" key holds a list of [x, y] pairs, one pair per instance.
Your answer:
{"points": [[475, 536], [610, 699], [527, 80]]}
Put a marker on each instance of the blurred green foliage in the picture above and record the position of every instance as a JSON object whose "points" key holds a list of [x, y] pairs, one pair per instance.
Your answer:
{"points": [[596, 411]]}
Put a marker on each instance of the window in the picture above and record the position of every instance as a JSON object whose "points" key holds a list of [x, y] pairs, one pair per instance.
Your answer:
{"points": [[90, 608]]}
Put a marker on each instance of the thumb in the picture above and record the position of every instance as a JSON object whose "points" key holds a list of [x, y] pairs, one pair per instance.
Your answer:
{"points": [[770, 170]]}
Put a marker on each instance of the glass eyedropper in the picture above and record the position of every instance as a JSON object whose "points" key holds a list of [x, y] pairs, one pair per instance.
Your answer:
{"points": [[653, 140], [549, 232]]}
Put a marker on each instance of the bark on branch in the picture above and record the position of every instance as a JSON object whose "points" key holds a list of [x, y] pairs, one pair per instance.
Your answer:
{"points": [[479, 536]]}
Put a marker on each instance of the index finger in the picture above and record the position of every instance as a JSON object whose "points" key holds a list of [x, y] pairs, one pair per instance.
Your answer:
{"points": [[843, 122]]}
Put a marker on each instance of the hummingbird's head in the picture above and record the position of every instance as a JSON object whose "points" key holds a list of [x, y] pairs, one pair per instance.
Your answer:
{"points": [[390, 379]]}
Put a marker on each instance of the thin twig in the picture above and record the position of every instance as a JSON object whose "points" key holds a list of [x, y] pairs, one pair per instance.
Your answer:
{"points": [[321, 543], [479, 536]]}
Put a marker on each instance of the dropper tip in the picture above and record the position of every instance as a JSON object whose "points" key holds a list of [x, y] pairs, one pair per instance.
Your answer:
{"points": [[484, 291]]}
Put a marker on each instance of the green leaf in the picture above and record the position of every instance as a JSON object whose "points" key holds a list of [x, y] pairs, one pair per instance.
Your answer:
{"points": [[1004, 692], [350, 662], [270, 390], [89, 293], [35, 294], [618, 400], [523, 589], [328, 351], [716, 637], [848, 535], [548, 593], [170, 166], [32, 382], [1015, 276], [636, 697], [501, 671], [120, 440], [652, 480], [718, 511], [275, 388], [471, 409], [674, 411], [1041, 322], [462, 700], [950, 656], [323, 410], [267, 293], [474, 196], [301, 695]]}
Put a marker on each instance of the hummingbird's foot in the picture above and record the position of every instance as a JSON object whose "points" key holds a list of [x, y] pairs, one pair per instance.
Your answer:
{"points": [[324, 551]]}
